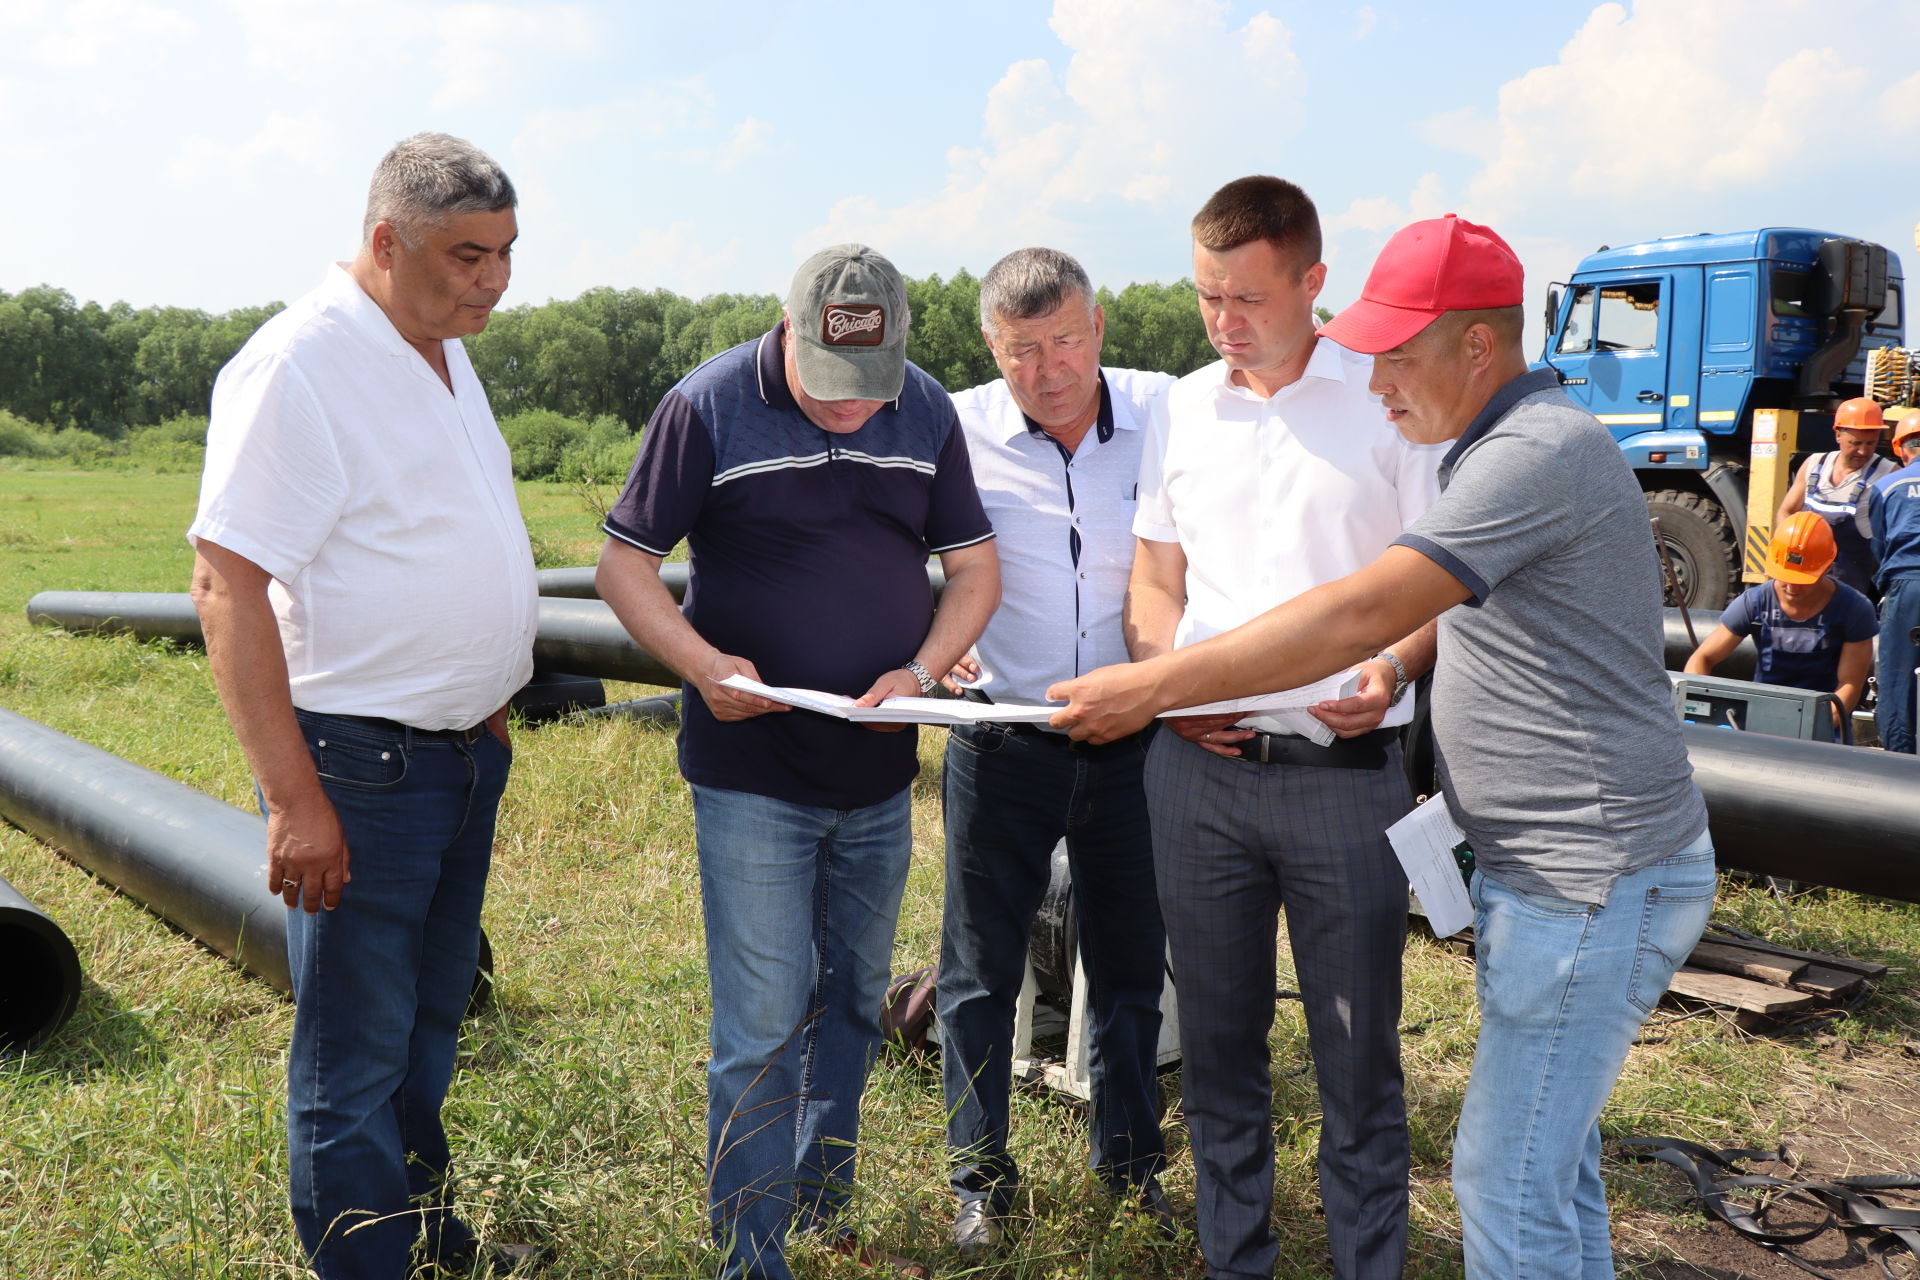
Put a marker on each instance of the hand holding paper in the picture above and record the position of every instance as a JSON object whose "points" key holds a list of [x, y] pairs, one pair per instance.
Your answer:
{"points": [[910, 710]]}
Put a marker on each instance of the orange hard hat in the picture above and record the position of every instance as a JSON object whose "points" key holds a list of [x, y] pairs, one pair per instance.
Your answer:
{"points": [[1802, 549], [1908, 425], [1858, 414]]}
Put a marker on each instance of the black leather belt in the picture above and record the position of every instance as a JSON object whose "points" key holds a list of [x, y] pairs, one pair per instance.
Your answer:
{"points": [[466, 737], [1368, 751], [1026, 729]]}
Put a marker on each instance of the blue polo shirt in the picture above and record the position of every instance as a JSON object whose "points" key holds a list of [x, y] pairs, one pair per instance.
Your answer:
{"points": [[808, 556]]}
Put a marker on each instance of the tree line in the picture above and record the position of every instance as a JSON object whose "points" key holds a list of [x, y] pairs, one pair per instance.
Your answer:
{"points": [[571, 381]]}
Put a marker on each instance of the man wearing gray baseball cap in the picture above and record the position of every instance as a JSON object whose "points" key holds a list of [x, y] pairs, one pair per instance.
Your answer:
{"points": [[811, 472]]}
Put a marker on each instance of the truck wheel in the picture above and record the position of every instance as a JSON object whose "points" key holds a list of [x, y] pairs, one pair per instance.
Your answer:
{"points": [[1700, 542]]}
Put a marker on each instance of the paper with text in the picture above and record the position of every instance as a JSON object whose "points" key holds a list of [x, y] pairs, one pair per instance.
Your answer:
{"points": [[959, 711], [1425, 841]]}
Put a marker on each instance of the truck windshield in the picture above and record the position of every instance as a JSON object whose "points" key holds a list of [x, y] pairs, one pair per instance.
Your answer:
{"points": [[1578, 333]]}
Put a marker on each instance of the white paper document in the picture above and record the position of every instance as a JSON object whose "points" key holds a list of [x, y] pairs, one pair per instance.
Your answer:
{"points": [[1425, 841], [961, 711], [895, 710], [1342, 685]]}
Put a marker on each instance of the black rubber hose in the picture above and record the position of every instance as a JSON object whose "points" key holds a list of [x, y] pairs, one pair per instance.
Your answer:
{"points": [[42, 970], [196, 862]]}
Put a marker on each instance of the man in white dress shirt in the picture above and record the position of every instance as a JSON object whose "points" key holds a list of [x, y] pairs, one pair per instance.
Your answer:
{"points": [[367, 591], [1055, 444], [1266, 474]]}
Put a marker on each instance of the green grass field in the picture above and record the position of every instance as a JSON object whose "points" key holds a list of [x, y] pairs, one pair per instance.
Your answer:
{"points": [[146, 1139]]}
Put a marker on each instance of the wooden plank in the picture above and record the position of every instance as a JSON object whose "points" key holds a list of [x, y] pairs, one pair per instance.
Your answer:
{"points": [[1865, 968], [1738, 993], [1824, 980], [1743, 962]]}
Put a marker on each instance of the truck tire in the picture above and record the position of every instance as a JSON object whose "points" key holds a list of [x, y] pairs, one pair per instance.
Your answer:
{"points": [[1700, 542]]}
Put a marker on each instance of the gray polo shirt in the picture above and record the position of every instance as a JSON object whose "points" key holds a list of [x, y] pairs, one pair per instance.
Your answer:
{"points": [[1560, 750]]}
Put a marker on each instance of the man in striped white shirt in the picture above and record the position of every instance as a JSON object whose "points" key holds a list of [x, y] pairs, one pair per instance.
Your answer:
{"points": [[1055, 444]]}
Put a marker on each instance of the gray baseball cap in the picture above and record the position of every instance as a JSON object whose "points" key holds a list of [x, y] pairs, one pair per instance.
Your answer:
{"points": [[848, 307]]}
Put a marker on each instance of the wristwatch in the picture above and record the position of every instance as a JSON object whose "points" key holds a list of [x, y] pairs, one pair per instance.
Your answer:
{"points": [[1400, 680], [928, 684]]}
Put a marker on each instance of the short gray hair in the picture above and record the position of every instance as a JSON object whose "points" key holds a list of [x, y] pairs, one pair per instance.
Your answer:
{"points": [[429, 178], [1028, 283]]}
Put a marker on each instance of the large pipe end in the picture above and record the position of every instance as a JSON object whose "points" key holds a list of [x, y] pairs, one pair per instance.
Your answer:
{"points": [[42, 984]]}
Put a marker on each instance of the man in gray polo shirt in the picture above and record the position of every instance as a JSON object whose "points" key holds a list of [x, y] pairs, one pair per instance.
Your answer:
{"points": [[1562, 759]]}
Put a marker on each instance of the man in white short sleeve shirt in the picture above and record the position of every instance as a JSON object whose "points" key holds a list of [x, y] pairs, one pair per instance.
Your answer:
{"points": [[367, 592], [1265, 475]]}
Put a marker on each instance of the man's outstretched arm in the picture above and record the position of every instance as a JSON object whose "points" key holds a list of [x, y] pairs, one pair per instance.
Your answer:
{"points": [[1311, 636]]}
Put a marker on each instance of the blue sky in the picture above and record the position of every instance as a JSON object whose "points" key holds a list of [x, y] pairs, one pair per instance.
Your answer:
{"points": [[209, 154]]}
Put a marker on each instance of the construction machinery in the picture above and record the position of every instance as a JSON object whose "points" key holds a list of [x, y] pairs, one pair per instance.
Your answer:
{"points": [[1717, 361]]}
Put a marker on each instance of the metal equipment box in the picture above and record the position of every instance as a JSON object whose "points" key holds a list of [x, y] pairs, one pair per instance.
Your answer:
{"points": [[1755, 708]]}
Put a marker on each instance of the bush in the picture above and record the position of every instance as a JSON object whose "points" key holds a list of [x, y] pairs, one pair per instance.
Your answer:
{"points": [[84, 448], [21, 439], [539, 439], [178, 444], [604, 452], [551, 446]]}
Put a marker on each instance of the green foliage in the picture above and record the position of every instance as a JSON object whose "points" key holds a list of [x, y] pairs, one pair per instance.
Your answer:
{"points": [[178, 444], [21, 439], [1155, 326], [609, 353], [551, 446]]}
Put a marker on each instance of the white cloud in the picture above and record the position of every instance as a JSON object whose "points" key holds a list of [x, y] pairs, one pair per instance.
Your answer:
{"points": [[749, 139], [1140, 116], [307, 141], [1693, 96], [475, 50], [85, 35], [1675, 116], [1364, 22]]}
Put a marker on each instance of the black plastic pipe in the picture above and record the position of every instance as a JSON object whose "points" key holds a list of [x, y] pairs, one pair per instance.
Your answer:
{"points": [[1816, 812], [577, 584], [196, 862], [1813, 811], [1738, 664], [146, 615], [42, 983]]}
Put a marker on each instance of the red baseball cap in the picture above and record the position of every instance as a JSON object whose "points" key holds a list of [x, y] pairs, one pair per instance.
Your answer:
{"points": [[1432, 267]]}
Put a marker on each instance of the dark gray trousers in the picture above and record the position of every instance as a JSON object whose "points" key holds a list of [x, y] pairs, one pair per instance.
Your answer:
{"points": [[1233, 843]]}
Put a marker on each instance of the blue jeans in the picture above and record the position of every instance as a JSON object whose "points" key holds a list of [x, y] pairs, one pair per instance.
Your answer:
{"points": [[1563, 989], [800, 905], [380, 984], [1010, 797], [1899, 615]]}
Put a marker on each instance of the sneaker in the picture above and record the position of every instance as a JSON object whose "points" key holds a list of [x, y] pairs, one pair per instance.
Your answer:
{"points": [[975, 1231]]}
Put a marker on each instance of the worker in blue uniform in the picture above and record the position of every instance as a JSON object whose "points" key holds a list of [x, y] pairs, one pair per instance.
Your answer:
{"points": [[1812, 631], [1895, 516]]}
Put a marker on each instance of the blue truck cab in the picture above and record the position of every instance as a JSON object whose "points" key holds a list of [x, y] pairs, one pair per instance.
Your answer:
{"points": [[1674, 343]]}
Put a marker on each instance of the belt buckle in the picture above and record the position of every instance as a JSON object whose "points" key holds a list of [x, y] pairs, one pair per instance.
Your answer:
{"points": [[471, 734], [1266, 745]]}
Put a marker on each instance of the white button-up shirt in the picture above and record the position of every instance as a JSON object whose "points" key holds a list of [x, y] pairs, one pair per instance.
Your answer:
{"points": [[384, 508], [1270, 497], [1057, 618]]}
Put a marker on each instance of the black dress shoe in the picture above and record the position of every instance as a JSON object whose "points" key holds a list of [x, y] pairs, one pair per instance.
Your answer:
{"points": [[975, 1231], [1152, 1199]]}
